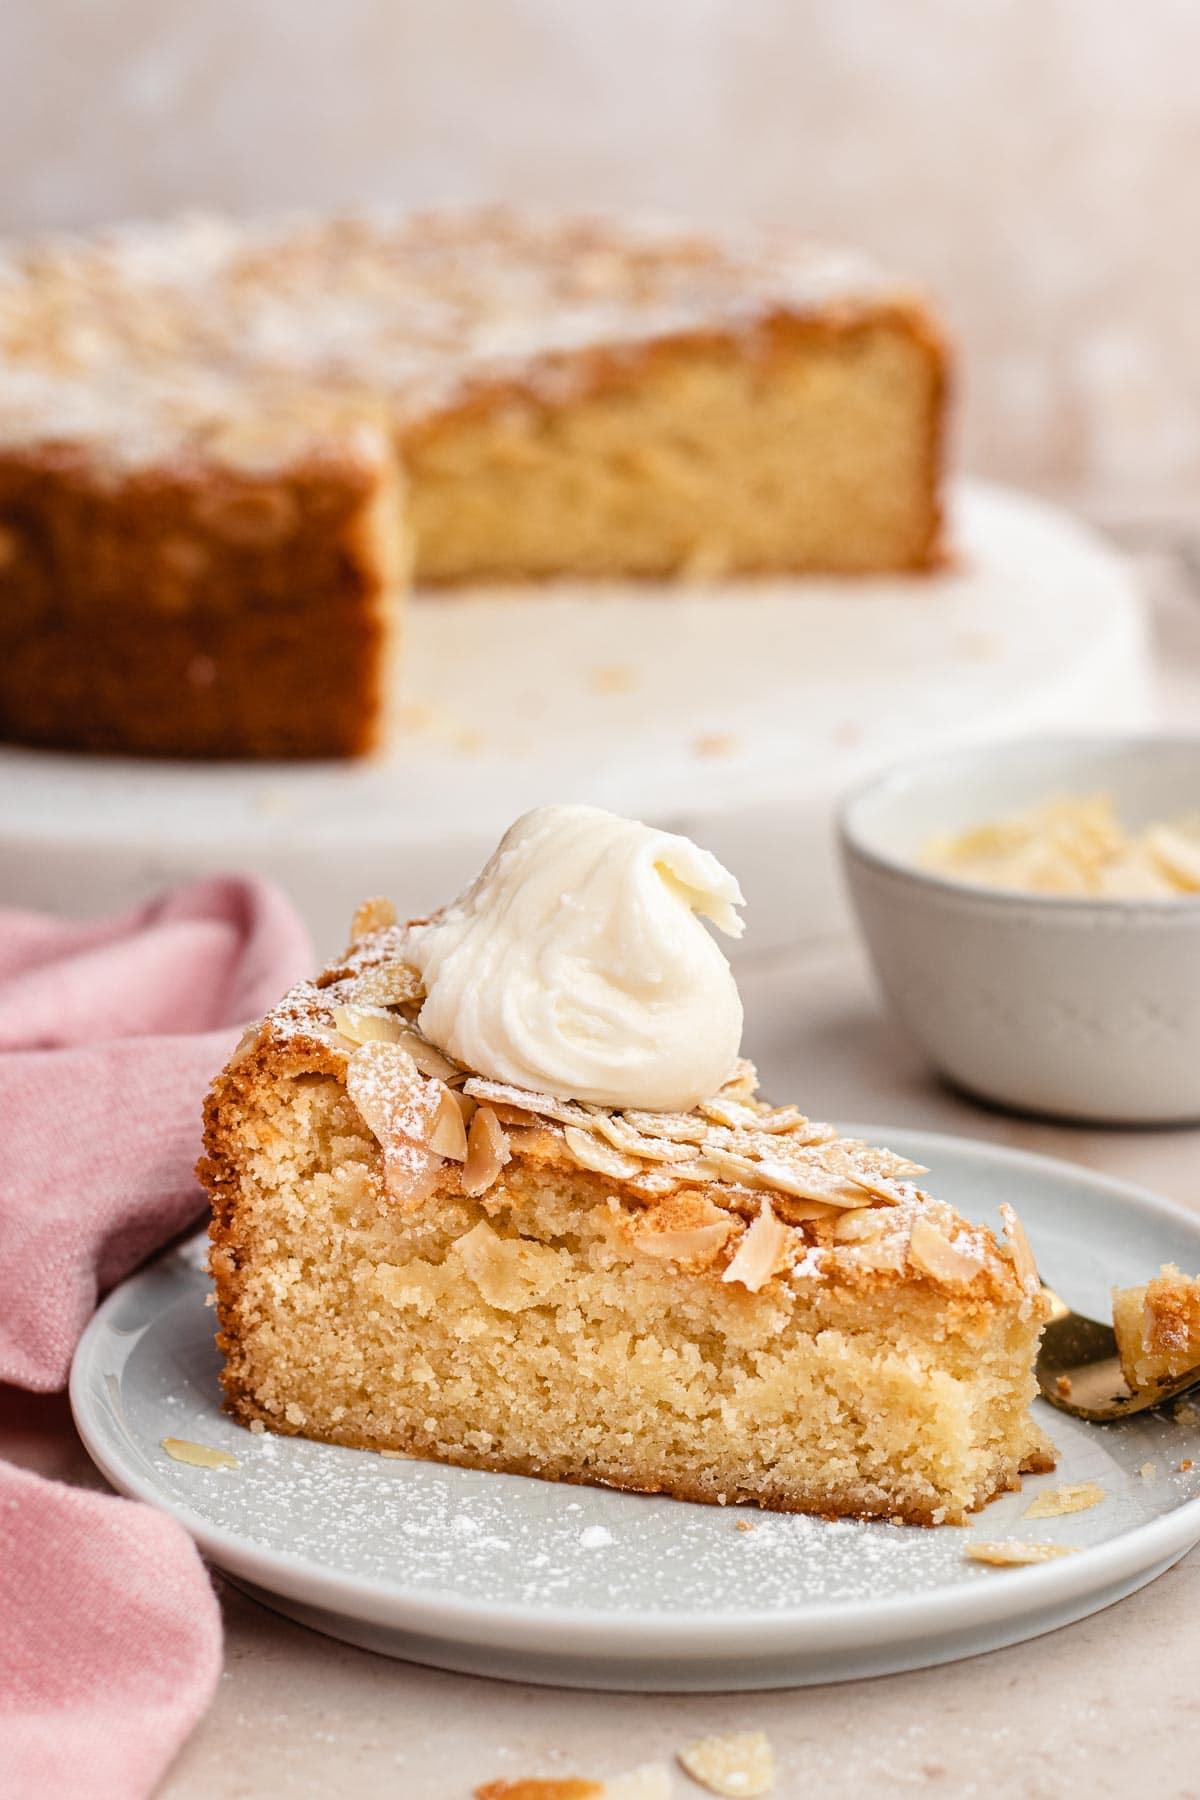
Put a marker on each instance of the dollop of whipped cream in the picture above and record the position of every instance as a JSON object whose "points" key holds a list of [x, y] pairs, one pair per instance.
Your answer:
{"points": [[576, 964]]}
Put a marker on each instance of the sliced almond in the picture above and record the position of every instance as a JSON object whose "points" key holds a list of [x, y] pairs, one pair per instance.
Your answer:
{"points": [[1055, 1503], [488, 1150], [762, 1252], [372, 916], [937, 1255], [733, 1113], [592, 1152], [1014, 1555], [546, 1106], [680, 1128], [622, 1137], [742, 1083], [734, 1764], [686, 1245], [377, 1075], [534, 1787], [363, 1025], [804, 1181], [198, 1456], [388, 984], [449, 1134], [1179, 855], [1024, 1261]]}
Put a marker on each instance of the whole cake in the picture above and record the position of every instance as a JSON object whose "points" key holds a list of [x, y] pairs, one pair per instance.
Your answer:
{"points": [[225, 453], [498, 1190]]}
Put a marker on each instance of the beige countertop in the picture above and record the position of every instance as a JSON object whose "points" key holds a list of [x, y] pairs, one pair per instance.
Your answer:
{"points": [[1103, 1707]]}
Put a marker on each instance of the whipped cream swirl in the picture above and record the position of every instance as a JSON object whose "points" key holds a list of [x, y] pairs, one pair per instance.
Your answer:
{"points": [[576, 964]]}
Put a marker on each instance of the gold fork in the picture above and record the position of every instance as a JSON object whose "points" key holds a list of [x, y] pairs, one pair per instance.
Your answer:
{"points": [[1079, 1371]]}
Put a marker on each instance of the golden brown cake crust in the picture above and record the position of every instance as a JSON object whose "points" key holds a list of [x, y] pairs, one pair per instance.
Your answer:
{"points": [[199, 526], [898, 1243]]}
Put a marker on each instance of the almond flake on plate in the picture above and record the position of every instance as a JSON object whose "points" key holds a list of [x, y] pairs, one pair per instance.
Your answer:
{"points": [[738, 1763], [1056, 1502], [1015, 1555], [198, 1456]]}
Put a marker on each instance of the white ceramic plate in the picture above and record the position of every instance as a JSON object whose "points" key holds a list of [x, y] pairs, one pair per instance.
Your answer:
{"points": [[499, 1575]]}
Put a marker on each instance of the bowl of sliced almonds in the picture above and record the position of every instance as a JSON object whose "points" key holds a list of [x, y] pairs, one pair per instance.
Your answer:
{"points": [[1032, 910]]}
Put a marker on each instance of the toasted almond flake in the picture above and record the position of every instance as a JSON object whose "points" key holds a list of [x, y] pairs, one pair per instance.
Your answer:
{"points": [[742, 1082], [762, 1252], [622, 1137], [1056, 1502], [803, 1181], [376, 1075], [449, 1135], [591, 1152], [198, 1456], [488, 1149], [1014, 1555], [739, 1763], [935, 1253], [531, 1787], [858, 1227], [777, 1119], [1179, 855], [363, 1025], [683, 1230], [1024, 1261], [733, 1113], [246, 1044], [545, 1106], [388, 984], [372, 916], [681, 1128]]}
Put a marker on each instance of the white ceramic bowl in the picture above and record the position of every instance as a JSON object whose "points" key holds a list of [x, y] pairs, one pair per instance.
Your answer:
{"points": [[1080, 1009]]}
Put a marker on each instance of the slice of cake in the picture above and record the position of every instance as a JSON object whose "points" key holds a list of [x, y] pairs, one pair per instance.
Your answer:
{"points": [[223, 450], [706, 1295], [1158, 1328]]}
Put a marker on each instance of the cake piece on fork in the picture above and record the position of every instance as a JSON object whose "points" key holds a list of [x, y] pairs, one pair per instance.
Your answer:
{"points": [[634, 1284]]}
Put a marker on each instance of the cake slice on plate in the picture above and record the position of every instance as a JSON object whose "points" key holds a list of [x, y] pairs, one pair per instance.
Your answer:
{"points": [[649, 1278]]}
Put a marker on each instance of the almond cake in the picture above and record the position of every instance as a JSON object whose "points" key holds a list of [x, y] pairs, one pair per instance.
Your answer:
{"points": [[1157, 1328], [728, 1303], [226, 451]]}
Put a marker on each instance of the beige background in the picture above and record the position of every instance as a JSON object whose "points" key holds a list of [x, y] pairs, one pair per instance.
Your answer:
{"points": [[1034, 160]]}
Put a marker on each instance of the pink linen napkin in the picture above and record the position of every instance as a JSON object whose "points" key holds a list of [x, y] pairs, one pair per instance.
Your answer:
{"points": [[109, 1034]]}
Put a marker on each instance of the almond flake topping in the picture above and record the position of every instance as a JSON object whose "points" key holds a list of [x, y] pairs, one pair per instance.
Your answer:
{"points": [[591, 1152], [939, 1256], [1013, 1555], [372, 916], [198, 1456], [740, 1763], [1056, 1502], [388, 984], [488, 1150], [1024, 1261], [761, 1253]]}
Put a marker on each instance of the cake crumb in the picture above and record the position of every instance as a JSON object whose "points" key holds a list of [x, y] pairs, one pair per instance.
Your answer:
{"points": [[198, 1456], [1148, 1471], [736, 1764], [1062, 1385], [257, 1427], [744, 1525], [1072, 1499], [397, 1455], [1015, 1555], [1186, 1466]]}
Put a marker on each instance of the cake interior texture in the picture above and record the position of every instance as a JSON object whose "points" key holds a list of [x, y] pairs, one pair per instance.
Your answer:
{"points": [[224, 456], [558, 1325], [1158, 1327]]}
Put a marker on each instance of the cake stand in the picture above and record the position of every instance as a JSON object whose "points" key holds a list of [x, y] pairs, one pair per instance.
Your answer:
{"points": [[736, 712]]}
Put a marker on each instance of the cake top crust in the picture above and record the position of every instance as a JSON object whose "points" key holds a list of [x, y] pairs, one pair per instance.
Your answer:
{"points": [[144, 340], [750, 1190]]}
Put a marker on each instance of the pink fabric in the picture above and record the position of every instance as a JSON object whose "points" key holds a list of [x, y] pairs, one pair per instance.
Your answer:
{"points": [[110, 1641]]}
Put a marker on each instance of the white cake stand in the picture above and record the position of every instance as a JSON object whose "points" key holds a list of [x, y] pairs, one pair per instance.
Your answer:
{"points": [[736, 712]]}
